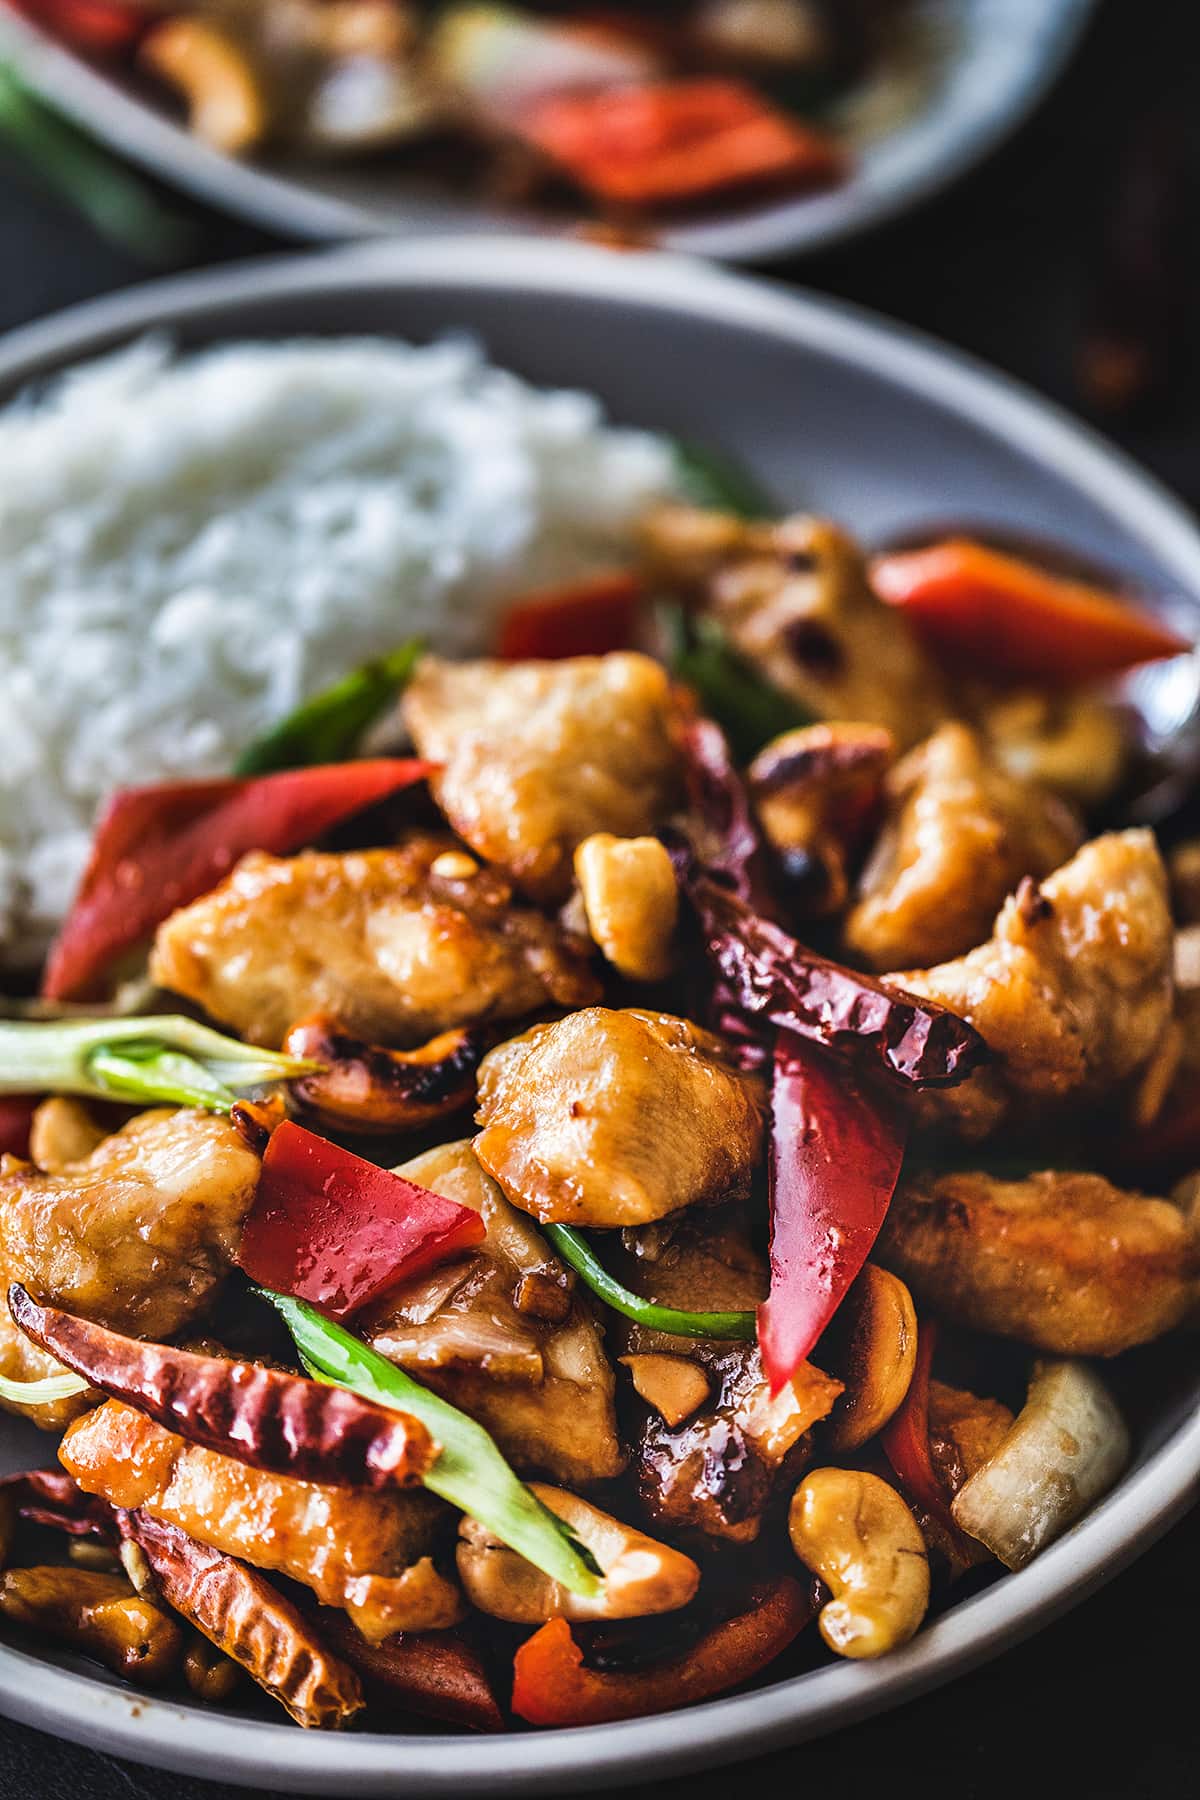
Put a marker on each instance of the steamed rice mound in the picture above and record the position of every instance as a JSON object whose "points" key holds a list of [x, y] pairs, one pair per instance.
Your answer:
{"points": [[192, 546]]}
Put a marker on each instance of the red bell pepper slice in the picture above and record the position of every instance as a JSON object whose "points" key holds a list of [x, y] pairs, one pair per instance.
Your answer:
{"points": [[837, 1143], [551, 1686], [102, 25], [672, 142], [591, 618], [16, 1118], [158, 848], [338, 1231], [905, 1442], [1011, 619]]}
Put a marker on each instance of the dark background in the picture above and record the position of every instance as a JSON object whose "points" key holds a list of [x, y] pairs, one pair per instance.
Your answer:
{"points": [[1084, 227]]}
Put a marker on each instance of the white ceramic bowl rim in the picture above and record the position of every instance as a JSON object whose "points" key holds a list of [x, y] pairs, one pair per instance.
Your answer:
{"points": [[1128, 1521]]}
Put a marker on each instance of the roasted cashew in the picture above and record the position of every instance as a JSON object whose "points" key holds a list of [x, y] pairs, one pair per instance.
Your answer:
{"points": [[879, 1355], [226, 102], [96, 1613], [631, 900], [63, 1132], [641, 1576], [856, 1533]]}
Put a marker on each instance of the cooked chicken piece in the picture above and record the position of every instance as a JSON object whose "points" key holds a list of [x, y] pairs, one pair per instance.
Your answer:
{"points": [[502, 1335], [817, 791], [396, 944], [1073, 744], [1073, 990], [367, 1552], [795, 599], [137, 1235], [536, 756], [716, 1471], [965, 1431], [616, 1118], [959, 835], [1063, 1260]]}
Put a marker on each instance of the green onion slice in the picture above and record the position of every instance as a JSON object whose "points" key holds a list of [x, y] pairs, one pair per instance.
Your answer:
{"points": [[44, 1392], [575, 1249], [327, 728], [470, 1472], [749, 710], [171, 1060]]}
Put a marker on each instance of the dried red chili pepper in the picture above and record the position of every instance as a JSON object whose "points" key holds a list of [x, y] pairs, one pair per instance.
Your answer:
{"points": [[268, 1418], [158, 848], [552, 1686], [837, 1143], [51, 1497], [330, 1228], [773, 978], [239, 1611]]}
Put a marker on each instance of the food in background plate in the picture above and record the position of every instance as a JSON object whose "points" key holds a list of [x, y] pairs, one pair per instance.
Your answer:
{"points": [[635, 1199], [634, 111]]}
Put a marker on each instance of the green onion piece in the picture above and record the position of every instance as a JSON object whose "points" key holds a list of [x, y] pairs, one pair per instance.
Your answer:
{"points": [[328, 727], [470, 1471], [575, 1249], [171, 1059], [718, 483], [44, 1392], [749, 710], [115, 202]]}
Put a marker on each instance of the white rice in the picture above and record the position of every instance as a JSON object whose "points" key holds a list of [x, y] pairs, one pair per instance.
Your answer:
{"points": [[190, 547]]}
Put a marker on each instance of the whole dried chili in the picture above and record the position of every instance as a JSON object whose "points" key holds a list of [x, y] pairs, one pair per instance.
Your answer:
{"points": [[268, 1418]]}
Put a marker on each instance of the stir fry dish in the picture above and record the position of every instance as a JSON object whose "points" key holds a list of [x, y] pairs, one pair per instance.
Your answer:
{"points": [[631, 111], [578, 1178]]}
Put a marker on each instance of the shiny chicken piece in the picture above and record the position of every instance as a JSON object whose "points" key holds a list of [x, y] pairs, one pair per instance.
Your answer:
{"points": [[816, 791], [1062, 1260], [397, 945], [1073, 990], [137, 1235], [795, 600], [965, 1432], [716, 1471], [366, 1552], [610, 1118], [537, 756], [503, 1335], [959, 836]]}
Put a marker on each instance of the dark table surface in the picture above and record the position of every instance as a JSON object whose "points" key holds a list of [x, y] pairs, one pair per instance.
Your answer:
{"points": [[1015, 265]]}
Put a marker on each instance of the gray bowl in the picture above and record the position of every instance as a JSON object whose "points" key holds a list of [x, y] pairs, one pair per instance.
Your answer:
{"points": [[833, 411], [970, 72]]}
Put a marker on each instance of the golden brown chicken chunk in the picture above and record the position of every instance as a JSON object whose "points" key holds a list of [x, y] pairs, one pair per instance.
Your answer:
{"points": [[616, 1118], [795, 599], [717, 1469], [1064, 1261], [396, 944], [137, 1235], [959, 835], [502, 1335], [536, 756], [367, 1552], [965, 1431], [1072, 991]]}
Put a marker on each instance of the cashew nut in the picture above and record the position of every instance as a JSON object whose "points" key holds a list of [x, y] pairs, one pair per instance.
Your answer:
{"points": [[878, 1358], [641, 1576], [856, 1533], [63, 1132], [631, 900], [97, 1614], [226, 102]]}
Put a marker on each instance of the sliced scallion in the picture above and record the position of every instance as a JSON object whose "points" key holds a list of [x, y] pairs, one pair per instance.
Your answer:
{"points": [[575, 1249], [328, 727]]}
